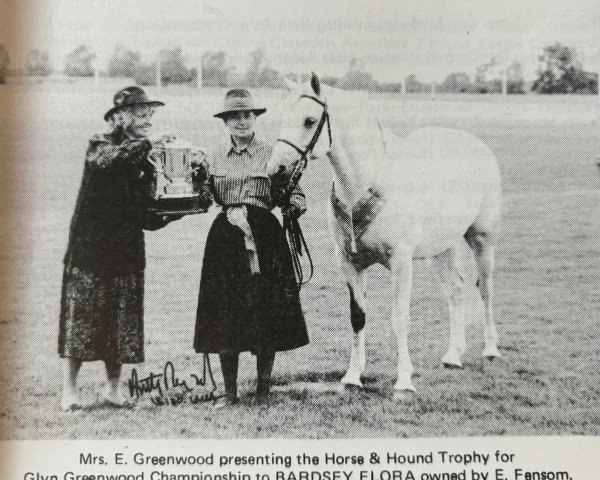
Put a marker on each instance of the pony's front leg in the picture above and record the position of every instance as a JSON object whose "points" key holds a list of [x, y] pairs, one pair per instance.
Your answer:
{"points": [[358, 299], [451, 276], [402, 272]]}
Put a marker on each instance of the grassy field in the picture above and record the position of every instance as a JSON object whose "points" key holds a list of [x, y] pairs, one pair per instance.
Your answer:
{"points": [[547, 283]]}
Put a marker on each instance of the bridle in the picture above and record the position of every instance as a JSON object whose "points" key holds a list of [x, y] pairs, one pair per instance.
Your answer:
{"points": [[303, 161], [291, 226]]}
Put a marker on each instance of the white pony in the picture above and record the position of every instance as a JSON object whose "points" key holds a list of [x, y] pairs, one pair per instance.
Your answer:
{"points": [[396, 199]]}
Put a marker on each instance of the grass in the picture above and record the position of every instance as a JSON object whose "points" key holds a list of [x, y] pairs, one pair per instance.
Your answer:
{"points": [[547, 295]]}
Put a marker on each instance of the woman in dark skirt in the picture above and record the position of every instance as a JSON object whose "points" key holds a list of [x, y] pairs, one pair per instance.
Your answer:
{"points": [[102, 307], [248, 297]]}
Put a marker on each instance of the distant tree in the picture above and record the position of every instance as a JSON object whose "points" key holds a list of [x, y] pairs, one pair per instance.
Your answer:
{"points": [[414, 86], [486, 78], [356, 78], [561, 71], [515, 78], [38, 63], [329, 80], [172, 69], [215, 69], [145, 74], [4, 61], [258, 62], [391, 87], [456, 83], [261, 73], [592, 79], [236, 79], [80, 62], [269, 78], [124, 63]]}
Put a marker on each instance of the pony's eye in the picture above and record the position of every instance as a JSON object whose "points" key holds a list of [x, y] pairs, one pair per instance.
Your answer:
{"points": [[310, 122]]}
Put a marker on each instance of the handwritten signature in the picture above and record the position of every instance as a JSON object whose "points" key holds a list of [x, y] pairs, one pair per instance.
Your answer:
{"points": [[165, 383]]}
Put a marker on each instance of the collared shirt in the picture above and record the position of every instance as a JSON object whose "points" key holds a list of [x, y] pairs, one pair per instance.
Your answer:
{"points": [[239, 175]]}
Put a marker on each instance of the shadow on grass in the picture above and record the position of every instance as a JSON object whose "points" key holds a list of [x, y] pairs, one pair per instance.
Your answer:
{"points": [[324, 382]]}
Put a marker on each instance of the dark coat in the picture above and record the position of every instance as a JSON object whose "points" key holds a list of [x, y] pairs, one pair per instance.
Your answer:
{"points": [[106, 235]]}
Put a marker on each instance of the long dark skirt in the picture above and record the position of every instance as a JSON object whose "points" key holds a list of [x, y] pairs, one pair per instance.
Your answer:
{"points": [[102, 317], [238, 311]]}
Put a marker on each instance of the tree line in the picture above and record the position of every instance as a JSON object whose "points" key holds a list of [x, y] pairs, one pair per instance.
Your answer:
{"points": [[560, 70]]}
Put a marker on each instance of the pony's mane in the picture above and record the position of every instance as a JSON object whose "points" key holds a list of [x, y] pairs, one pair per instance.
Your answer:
{"points": [[354, 112]]}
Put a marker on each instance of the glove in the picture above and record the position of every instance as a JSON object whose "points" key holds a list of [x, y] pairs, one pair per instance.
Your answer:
{"points": [[199, 172], [291, 212]]}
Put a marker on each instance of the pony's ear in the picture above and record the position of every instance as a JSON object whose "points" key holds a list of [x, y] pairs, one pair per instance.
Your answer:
{"points": [[289, 83], [315, 84]]}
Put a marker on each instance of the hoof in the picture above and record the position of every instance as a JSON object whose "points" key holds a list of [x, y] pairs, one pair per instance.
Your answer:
{"points": [[452, 360], [347, 388], [351, 381], [70, 402], [73, 406], [491, 353], [452, 366], [405, 395]]}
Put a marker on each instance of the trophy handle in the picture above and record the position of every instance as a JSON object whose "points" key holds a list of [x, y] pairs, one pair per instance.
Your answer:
{"points": [[156, 162]]}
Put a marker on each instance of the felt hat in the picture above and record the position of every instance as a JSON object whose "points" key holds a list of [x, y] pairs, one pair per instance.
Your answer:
{"points": [[239, 100], [131, 96]]}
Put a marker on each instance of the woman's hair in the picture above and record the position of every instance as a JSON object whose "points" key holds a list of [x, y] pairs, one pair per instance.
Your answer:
{"points": [[122, 118]]}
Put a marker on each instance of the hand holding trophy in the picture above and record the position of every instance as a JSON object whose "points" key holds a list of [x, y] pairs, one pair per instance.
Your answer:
{"points": [[175, 178]]}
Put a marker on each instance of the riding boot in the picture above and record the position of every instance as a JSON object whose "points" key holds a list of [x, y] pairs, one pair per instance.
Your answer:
{"points": [[229, 367], [264, 368]]}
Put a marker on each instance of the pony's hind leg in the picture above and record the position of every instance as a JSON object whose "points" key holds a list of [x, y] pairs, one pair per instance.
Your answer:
{"points": [[482, 243], [451, 277], [358, 304], [402, 271]]}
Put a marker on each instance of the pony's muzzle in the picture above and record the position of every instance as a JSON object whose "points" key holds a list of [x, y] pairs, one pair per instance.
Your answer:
{"points": [[282, 160]]}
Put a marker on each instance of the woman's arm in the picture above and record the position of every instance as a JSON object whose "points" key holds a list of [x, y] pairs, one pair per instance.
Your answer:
{"points": [[153, 221], [102, 154]]}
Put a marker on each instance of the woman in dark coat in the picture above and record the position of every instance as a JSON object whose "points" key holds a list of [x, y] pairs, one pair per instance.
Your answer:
{"points": [[102, 299], [248, 297]]}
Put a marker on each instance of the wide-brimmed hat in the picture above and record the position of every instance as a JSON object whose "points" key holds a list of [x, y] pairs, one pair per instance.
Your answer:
{"points": [[131, 96], [239, 100]]}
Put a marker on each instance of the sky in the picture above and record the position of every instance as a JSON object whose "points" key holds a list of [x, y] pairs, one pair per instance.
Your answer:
{"points": [[429, 38]]}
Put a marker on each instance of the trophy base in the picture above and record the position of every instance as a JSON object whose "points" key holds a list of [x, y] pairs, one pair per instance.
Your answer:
{"points": [[177, 206]]}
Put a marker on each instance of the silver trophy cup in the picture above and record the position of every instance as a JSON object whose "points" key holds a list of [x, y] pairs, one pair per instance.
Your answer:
{"points": [[173, 180]]}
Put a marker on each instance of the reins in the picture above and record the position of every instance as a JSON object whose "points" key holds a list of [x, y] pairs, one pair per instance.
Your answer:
{"points": [[297, 242], [291, 226]]}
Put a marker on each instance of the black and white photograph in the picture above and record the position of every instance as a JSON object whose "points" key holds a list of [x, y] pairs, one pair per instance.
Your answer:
{"points": [[300, 220]]}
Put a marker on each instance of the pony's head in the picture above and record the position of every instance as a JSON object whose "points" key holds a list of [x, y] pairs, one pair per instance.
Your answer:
{"points": [[305, 132]]}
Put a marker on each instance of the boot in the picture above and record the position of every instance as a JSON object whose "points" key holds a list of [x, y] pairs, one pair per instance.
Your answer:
{"points": [[229, 367], [264, 368]]}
